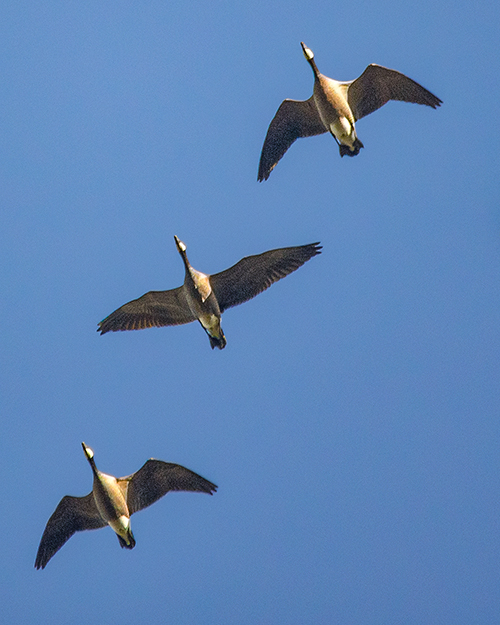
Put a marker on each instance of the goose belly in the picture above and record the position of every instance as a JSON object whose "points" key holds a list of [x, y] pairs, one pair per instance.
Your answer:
{"points": [[201, 287], [211, 323], [334, 110], [109, 498]]}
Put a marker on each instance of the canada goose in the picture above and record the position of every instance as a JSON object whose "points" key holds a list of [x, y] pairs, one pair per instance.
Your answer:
{"points": [[334, 107], [205, 297], [113, 501]]}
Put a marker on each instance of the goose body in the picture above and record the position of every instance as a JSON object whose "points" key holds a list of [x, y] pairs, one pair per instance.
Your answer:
{"points": [[334, 107], [205, 297], [113, 500]]}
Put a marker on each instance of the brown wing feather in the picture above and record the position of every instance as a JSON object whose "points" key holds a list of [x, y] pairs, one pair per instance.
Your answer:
{"points": [[377, 85], [156, 478], [254, 274], [156, 308], [293, 119], [73, 514]]}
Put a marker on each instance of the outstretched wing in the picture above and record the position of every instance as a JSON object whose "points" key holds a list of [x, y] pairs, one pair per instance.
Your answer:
{"points": [[293, 119], [156, 478], [254, 274], [156, 308], [377, 85], [73, 514]]}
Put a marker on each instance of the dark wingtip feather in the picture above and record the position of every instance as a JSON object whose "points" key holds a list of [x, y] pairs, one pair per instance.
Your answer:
{"points": [[264, 175], [40, 562], [108, 324], [119, 323], [207, 487], [313, 248]]}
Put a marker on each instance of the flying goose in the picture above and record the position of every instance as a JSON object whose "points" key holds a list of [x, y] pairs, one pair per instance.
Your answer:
{"points": [[113, 501], [205, 297], [334, 107]]}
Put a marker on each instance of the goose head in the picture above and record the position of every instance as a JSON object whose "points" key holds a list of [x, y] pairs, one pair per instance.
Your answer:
{"points": [[88, 452], [308, 53], [180, 245]]}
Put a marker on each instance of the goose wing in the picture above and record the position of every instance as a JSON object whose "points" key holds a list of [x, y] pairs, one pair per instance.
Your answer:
{"points": [[293, 119], [73, 514], [377, 85], [156, 308], [156, 478], [254, 274]]}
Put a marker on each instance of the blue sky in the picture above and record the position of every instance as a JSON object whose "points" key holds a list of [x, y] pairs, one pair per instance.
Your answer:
{"points": [[352, 422]]}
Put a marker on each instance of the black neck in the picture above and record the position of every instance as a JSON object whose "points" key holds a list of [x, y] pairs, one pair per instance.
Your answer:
{"points": [[313, 66]]}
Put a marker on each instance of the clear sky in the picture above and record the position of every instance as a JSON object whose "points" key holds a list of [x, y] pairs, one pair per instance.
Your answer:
{"points": [[352, 422]]}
